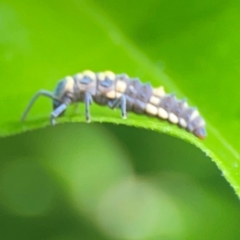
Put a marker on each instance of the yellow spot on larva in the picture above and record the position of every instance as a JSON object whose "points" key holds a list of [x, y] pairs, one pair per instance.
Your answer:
{"points": [[121, 86], [155, 100], [118, 95], [69, 83], [162, 113], [159, 92], [101, 76], [182, 123], [110, 75], [185, 105], [173, 118], [78, 76], [151, 109], [194, 115], [90, 74], [111, 94], [202, 123]]}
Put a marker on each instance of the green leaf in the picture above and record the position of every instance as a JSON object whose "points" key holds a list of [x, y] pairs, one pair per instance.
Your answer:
{"points": [[198, 46]]}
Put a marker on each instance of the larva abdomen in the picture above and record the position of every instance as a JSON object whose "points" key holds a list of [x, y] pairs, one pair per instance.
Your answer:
{"points": [[129, 94]]}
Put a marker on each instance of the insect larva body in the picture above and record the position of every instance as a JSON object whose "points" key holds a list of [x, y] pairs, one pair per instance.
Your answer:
{"points": [[123, 92]]}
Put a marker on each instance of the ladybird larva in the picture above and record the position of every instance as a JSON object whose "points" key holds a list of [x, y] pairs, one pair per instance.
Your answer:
{"points": [[121, 91]]}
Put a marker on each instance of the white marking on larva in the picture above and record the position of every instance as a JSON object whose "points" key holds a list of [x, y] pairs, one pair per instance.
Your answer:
{"points": [[111, 94], [173, 118], [121, 86], [159, 92], [118, 95], [89, 74], [79, 76], [151, 109], [194, 115], [155, 100], [101, 76], [110, 75], [162, 113], [69, 83], [182, 123], [185, 105], [202, 123], [131, 88]]}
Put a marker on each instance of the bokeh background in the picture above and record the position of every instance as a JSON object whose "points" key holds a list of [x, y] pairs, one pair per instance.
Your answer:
{"points": [[103, 181], [98, 181]]}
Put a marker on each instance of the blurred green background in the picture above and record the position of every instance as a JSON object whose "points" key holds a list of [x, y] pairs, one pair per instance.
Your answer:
{"points": [[100, 181]]}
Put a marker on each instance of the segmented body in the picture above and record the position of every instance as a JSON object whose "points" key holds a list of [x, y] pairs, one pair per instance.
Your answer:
{"points": [[127, 93]]}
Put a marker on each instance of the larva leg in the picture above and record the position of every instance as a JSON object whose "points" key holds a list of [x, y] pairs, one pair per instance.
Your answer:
{"points": [[124, 106], [88, 100], [57, 112], [34, 98], [119, 102]]}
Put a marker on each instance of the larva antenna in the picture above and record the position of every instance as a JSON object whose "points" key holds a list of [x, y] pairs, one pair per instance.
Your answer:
{"points": [[34, 98]]}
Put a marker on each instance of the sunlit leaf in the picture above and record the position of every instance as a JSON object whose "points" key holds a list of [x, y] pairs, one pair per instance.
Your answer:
{"points": [[42, 42]]}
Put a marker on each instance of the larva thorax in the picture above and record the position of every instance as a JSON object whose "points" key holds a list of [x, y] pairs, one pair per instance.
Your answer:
{"points": [[106, 88]]}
